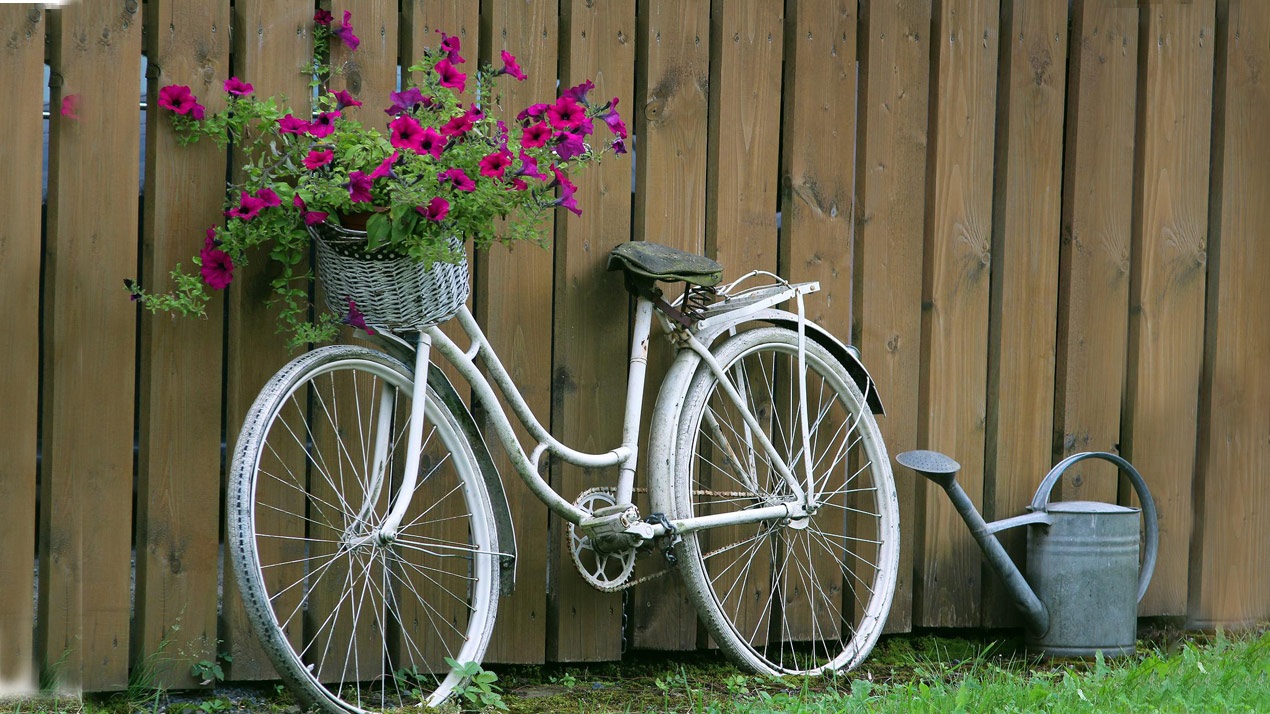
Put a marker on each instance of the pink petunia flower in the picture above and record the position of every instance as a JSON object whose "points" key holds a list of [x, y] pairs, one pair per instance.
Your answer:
{"points": [[356, 318], [432, 143], [450, 43], [318, 158], [406, 133], [405, 101], [619, 146], [385, 167], [289, 124], [344, 99], [345, 32], [359, 187], [323, 17], [237, 87], [458, 179], [561, 180], [579, 92], [566, 113], [461, 124], [270, 198], [310, 217], [511, 66], [567, 200], [70, 105], [536, 135], [614, 122], [248, 207], [436, 210], [177, 98], [569, 145], [197, 111], [217, 267], [324, 125], [529, 167], [451, 77], [532, 111], [518, 184], [495, 164]]}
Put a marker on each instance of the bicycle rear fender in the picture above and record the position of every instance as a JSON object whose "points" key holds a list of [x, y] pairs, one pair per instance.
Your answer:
{"points": [[664, 430], [493, 482]]}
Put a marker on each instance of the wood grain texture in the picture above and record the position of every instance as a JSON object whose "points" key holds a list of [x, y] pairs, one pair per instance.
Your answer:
{"points": [[1024, 302], [421, 20], [1166, 312], [1229, 582], [1093, 288], [179, 460], [89, 347], [370, 72], [270, 40], [957, 259], [590, 334], [514, 292], [22, 54], [671, 105], [895, 65]]}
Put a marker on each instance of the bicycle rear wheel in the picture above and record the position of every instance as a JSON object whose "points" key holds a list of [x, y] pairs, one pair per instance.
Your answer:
{"points": [[786, 597], [352, 622]]}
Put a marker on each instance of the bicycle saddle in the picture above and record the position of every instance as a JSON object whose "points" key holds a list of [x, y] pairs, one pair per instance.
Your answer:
{"points": [[661, 262]]}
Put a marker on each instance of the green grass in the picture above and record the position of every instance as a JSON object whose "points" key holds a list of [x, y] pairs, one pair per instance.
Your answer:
{"points": [[909, 674]]}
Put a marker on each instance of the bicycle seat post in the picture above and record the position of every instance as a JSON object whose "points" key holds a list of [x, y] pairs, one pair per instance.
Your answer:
{"points": [[634, 398]]}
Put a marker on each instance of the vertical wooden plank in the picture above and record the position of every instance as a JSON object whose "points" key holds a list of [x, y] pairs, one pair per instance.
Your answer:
{"points": [[370, 72], [742, 151], [895, 39], [271, 43], [178, 472], [591, 324], [671, 105], [22, 55], [90, 346], [1024, 302], [955, 302], [421, 19], [1093, 288], [1166, 291], [1229, 582], [514, 290]]}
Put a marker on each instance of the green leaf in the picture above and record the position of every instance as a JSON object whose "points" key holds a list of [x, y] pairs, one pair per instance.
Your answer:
{"points": [[377, 231]]}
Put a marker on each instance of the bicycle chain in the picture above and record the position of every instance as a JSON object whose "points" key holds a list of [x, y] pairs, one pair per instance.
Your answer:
{"points": [[653, 576]]}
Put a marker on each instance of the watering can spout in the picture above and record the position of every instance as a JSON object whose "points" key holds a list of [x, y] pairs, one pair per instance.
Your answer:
{"points": [[942, 471]]}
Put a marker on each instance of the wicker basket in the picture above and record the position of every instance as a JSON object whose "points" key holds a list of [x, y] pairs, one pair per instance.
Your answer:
{"points": [[390, 289]]}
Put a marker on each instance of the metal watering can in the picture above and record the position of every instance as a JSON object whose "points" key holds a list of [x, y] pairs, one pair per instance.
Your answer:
{"points": [[1083, 579]]}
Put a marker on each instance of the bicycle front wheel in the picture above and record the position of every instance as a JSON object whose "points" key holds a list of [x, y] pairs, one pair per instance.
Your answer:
{"points": [[793, 596], [351, 621]]}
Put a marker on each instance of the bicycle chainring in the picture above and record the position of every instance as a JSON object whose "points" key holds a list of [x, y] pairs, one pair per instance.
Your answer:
{"points": [[606, 572]]}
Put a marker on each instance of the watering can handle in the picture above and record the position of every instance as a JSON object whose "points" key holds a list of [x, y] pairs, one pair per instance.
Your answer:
{"points": [[1042, 498]]}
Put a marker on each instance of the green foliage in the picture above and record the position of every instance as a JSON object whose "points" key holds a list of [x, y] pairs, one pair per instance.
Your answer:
{"points": [[506, 208], [479, 691]]}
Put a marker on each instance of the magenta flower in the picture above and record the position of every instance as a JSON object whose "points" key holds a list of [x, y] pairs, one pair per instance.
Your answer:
{"points": [[291, 125], [384, 168], [345, 32], [359, 187], [344, 99], [458, 179], [324, 125], [536, 135], [561, 180], [461, 124], [511, 66], [177, 98], [197, 112], [451, 77], [578, 93], [356, 318], [210, 241], [432, 143], [569, 146], [310, 217], [619, 146], [270, 198], [318, 158], [566, 113], [323, 17], [237, 87], [495, 164], [436, 209], [529, 167], [217, 267], [614, 122], [406, 133], [403, 102], [248, 207], [517, 184], [532, 111], [70, 105], [450, 44]]}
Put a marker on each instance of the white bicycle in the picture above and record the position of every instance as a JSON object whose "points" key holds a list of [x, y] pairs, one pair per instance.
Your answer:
{"points": [[371, 536]]}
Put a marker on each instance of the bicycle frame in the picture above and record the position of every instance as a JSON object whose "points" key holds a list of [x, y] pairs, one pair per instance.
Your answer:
{"points": [[624, 456]]}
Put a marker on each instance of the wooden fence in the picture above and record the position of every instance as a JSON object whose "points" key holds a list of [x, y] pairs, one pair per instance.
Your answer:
{"points": [[1040, 221]]}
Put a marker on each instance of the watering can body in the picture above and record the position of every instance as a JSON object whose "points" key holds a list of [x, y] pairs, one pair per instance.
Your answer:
{"points": [[1084, 576]]}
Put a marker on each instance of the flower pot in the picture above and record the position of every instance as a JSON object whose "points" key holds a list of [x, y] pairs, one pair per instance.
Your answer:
{"points": [[357, 221], [391, 290]]}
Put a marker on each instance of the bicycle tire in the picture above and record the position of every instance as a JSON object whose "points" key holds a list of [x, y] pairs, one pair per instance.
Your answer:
{"points": [[302, 492], [826, 611]]}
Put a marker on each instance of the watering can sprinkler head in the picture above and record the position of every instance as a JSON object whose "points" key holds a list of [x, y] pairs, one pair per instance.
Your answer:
{"points": [[933, 465]]}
